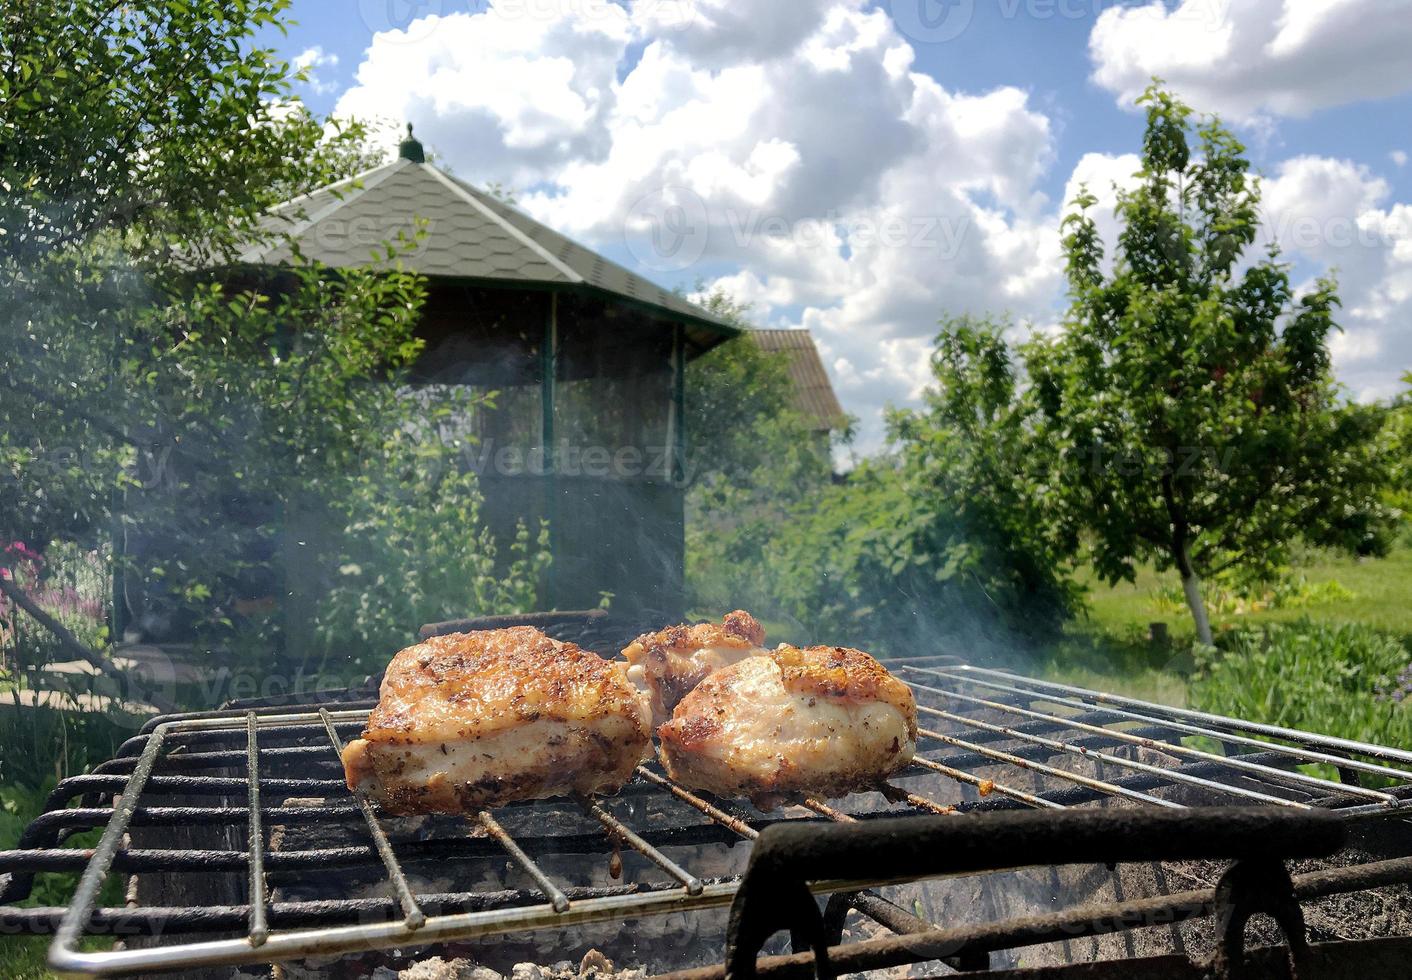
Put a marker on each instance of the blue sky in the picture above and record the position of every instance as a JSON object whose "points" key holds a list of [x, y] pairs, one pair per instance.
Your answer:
{"points": [[915, 153]]}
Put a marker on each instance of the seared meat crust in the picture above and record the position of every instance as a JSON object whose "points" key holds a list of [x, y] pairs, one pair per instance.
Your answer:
{"points": [[670, 662], [481, 719], [819, 720]]}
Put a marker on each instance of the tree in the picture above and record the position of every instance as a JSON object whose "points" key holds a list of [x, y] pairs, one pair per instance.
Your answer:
{"points": [[942, 539], [1400, 436], [141, 395], [974, 461], [159, 123], [950, 536], [751, 457], [1189, 397]]}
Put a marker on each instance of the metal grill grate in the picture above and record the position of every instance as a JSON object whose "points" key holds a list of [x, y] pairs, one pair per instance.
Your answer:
{"points": [[990, 740]]}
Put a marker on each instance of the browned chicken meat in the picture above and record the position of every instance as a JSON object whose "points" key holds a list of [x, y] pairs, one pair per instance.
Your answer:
{"points": [[481, 719], [819, 720], [669, 663]]}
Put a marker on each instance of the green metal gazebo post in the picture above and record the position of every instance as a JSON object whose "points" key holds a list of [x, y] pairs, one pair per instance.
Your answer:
{"points": [[549, 369]]}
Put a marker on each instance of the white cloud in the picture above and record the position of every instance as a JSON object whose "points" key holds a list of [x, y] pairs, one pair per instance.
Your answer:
{"points": [[1337, 216], [817, 176], [1251, 59], [859, 199], [310, 60], [1399, 157], [513, 93]]}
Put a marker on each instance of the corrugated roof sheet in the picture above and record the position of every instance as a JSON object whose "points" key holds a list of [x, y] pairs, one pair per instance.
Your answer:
{"points": [[813, 392], [469, 234]]}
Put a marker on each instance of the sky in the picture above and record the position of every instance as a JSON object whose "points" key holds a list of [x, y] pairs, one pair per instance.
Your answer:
{"points": [[863, 168]]}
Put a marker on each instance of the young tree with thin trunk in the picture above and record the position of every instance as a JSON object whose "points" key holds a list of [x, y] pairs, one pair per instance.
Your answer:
{"points": [[1189, 397]]}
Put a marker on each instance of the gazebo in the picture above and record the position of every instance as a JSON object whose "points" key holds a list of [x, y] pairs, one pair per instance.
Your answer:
{"points": [[587, 359]]}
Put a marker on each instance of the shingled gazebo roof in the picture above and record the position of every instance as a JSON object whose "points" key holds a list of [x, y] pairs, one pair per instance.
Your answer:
{"points": [[470, 236]]}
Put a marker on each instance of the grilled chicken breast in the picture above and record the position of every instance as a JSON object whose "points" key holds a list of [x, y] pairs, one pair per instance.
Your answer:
{"points": [[482, 719], [819, 720], [669, 663]]}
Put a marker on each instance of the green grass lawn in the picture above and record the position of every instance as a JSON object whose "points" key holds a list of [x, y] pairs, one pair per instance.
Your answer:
{"points": [[1381, 587], [1108, 648]]}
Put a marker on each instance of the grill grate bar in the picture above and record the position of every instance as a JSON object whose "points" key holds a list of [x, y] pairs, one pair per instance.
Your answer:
{"points": [[619, 831], [1174, 775], [1368, 749], [556, 897], [988, 785], [1297, 752], [824, 810], [192, 785], [1073, 777], [691, 799], [896, 794], [259, 925], [80, 912], [415, 917], [1173, 748]]}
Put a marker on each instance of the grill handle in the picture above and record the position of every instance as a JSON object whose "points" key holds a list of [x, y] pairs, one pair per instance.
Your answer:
{"points": [[774, 894]]}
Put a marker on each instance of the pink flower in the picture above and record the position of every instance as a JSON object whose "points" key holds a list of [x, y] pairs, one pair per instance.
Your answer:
{"points": [[23, 550]]}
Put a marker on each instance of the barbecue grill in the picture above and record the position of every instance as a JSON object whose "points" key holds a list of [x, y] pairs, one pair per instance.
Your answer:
{"points": [[240, 812]]}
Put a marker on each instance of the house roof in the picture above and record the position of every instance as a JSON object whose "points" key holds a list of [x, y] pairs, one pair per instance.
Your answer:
{"points": [[470, 235], [813, 393]]}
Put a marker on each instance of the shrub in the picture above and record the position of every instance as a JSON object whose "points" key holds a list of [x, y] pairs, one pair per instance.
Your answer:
{"points": [[889, 562], [416, 550]]}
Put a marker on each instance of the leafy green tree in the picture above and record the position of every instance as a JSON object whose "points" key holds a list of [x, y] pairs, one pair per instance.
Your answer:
{"points": [[1399, 432], [972, 459], [159, 122], [1189, 397], [751, 457], [942, 539], [950, 537], [144, 398]]}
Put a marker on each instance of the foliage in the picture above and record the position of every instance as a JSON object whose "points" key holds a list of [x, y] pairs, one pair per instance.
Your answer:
{"points": [[68, 583], [744, 428], [47, 743], [1321, 677], [220, 425], [415, 550], [24, 956], [159, 122], [947, 540], [1188, 400], [974, 447], [1399, 493], [752, 458]]}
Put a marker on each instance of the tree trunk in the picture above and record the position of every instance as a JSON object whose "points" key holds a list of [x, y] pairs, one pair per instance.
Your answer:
{"points": [[1191, 585]]}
